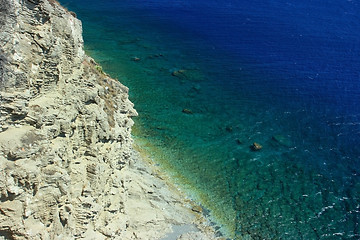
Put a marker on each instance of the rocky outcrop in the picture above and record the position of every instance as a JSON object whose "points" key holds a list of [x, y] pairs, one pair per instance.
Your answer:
{"points": [[68, 169]]}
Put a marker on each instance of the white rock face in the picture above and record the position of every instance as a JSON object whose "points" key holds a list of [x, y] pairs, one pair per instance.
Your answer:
{"points": [[68, 169]]}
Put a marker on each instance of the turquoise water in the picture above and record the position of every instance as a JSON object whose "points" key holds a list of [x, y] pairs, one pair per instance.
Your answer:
{"points": [[204, 99]]}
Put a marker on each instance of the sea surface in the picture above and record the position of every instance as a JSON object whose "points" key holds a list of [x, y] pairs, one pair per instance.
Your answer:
{"points": [[210, 78]]}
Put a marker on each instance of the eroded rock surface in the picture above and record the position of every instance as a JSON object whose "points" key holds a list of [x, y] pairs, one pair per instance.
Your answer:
{"points": [[68, 169]]}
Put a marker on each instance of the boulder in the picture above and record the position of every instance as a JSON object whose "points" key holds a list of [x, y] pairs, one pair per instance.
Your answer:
{"points": [[256, 146]]}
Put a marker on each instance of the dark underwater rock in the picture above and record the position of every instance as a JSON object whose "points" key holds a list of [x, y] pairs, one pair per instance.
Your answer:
{"points": [[256, 146], [179, 74], [188, 74], [229, 128], [187, 111]]}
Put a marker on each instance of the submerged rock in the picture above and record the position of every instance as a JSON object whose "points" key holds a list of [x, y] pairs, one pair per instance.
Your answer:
{"points": [[187, 111], [229, 128], [256, 146], [156, 56], [179, 73], [188, 74], [135, 59]]}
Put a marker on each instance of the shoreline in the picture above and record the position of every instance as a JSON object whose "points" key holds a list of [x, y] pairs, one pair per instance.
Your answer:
{"points": [[204, 220], [156, 157], [197, 225]]}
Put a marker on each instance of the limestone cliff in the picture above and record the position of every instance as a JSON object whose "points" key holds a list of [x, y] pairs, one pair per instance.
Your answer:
{"points": [[68, 169], [65, 127]]}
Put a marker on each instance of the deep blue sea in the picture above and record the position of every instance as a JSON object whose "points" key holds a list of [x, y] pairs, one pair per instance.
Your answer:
{"points": [[209, 78]]}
